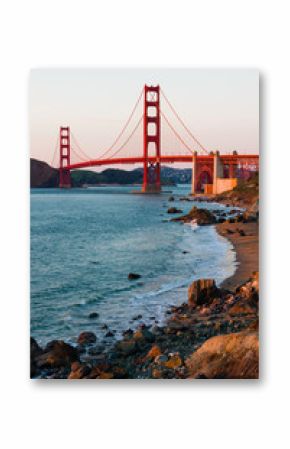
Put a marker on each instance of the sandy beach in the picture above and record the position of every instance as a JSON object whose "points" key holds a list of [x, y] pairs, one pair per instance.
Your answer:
{"points": [[245, 239]]}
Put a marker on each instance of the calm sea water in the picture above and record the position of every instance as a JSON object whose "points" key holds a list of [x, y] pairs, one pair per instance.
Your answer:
{"points": [[84, 242]]}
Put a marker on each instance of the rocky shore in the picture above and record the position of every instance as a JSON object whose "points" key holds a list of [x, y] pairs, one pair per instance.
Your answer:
{"points": [[213, 335]]}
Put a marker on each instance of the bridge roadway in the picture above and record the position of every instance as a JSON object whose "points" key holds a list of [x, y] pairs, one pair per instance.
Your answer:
{"points": [[225, 158]]}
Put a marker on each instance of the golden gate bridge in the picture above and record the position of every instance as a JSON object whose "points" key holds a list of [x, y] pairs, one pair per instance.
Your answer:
{"points": [[212, 172]]}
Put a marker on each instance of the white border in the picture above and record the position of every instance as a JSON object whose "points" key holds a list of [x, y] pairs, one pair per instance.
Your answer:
{"points": [[222, 414]]}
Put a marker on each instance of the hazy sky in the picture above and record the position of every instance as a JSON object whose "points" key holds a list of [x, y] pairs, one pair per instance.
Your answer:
{"points": [[221, 107]]}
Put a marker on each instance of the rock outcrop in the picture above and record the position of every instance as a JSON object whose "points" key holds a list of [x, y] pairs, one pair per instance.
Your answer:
{"points": [[57, 354], [232, 356], [86, 338], [201, 216], [202, 291]]}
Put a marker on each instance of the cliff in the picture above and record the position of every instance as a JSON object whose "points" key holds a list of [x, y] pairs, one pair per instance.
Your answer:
{"points": [[42, 175]]}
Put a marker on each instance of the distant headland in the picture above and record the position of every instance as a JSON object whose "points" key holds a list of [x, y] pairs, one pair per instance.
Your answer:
{"points": [[42, 175]]}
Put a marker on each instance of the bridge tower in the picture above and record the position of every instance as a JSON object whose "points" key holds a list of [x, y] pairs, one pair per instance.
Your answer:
{"points": [[64, 149], [151, 135]]}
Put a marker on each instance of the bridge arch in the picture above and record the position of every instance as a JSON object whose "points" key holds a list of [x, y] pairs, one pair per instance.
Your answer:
{"points": [[204, 176]]}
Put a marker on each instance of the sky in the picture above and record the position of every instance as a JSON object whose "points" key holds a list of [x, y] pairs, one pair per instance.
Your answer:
{"points": [[219, 106]]}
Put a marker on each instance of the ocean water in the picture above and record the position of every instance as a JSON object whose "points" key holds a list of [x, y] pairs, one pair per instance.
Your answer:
{"points": [[84, 242]]}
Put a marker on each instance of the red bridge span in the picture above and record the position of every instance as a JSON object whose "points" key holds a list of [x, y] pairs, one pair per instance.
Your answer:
{"points": [[212, 172]]}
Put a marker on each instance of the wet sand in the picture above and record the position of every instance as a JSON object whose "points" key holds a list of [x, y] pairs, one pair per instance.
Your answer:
{"points": [[246, 248]]}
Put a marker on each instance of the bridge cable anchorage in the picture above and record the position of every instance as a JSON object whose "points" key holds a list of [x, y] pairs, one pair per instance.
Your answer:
{"points": [[55, 151], [176, 133], [125, 126], [182, 122], [129, 137]]}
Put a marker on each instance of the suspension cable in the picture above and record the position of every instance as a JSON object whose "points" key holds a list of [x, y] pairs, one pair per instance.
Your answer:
{"points": [[129, 137], [182, 122], [87, 157], [176, 133], [55, 150], [124, 127], [82, 158]]}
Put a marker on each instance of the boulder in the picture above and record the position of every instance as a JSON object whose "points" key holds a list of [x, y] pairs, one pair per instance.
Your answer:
{"points": [[153, 352], [231, 356], [202, 291], [174, 210], [127, 333], [86, 338], [35, 349], [132, 276], [175, 361], [201, 216], [109, 334], [57, 354], [242, 308], [252, 213], [93, 315], [78, 371], [126, 347], [143, 335]]}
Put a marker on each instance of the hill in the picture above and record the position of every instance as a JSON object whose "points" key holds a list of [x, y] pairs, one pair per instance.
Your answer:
{"points": [[42, 175], [246, 194]]}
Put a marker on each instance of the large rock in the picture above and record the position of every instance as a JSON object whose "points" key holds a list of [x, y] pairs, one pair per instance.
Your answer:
{"points": [[79, 371], [247, 297], [174, 210], [155, 351], [202, 291], [252, 212], [232, 356], [57, 354], [126, 347], [35, 351], [86, 338], [201, 216], [133, 276], [143, 335]]}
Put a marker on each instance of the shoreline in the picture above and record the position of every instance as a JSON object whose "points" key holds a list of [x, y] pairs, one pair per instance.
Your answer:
{"points": [[245, 240], [193, 341]]}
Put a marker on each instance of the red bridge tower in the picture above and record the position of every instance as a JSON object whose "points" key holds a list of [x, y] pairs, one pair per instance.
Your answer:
{"points": [[151, 137], [64, 146]]}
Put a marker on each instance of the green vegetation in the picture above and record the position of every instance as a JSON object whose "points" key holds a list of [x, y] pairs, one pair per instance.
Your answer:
{"points": [[42, 175], [246, 191], [109, 176]]}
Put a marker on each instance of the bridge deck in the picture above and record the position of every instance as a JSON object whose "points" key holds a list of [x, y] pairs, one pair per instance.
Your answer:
{"points": [[226, 159]]}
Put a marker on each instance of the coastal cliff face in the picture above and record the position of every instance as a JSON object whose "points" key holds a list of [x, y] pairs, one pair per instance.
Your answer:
{"points": [[42, 175]]}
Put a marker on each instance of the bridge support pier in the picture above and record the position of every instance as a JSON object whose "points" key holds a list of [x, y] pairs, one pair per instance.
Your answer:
{"points": [[217, 171], [194, 173], [64, 148], [151, 174]]}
